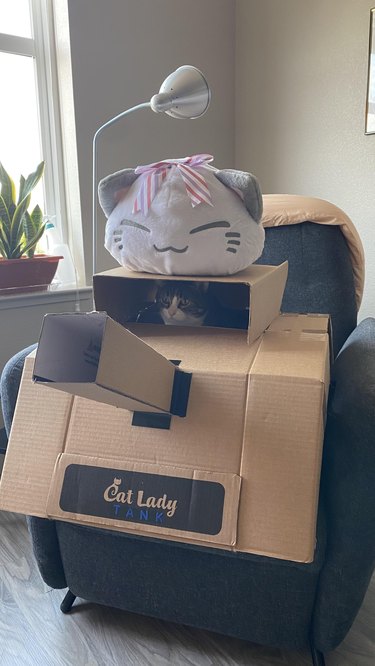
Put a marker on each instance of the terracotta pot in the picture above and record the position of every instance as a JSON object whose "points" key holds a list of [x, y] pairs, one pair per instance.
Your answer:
{"points": [[24, 274]]}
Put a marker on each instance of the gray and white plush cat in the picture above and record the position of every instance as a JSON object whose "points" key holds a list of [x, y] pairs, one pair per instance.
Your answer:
{"points": [[183, 217]]}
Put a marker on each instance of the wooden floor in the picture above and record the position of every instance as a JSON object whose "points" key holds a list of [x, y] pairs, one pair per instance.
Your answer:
{"points": [[34, 632]]}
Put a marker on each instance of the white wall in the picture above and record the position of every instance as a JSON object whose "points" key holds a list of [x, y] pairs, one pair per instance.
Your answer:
{"points": [[301, 72], [121, 52]]}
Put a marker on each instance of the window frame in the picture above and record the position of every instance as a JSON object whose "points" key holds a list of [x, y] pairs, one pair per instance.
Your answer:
{"points": [[49, 114], [61, 187]]}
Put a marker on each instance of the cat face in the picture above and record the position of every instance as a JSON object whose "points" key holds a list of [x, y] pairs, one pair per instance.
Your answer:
{"points": [[182, 303], [176, 239]]}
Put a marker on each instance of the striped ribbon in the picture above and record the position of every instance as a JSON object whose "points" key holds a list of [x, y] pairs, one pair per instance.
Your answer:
{"points": [[154, 174]]}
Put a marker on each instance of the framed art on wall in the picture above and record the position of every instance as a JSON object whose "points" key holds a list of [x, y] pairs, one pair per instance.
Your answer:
{"points": [[370, 100]]}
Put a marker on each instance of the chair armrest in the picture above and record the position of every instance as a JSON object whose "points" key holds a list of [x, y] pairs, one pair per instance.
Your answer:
{"points": [[348, 488], [349, 463]]}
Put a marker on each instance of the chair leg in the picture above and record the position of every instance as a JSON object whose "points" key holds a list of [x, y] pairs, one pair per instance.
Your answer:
{"points": [[67, 602], [317, 657]]}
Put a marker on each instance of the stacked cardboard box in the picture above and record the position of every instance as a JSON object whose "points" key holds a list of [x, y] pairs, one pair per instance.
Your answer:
{"points": [[204, 435]]}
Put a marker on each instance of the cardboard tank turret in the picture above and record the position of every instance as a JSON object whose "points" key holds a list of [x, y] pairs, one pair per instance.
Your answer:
{"points": [[207, 434]]}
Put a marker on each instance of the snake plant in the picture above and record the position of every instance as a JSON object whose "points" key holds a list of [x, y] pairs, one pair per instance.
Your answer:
{"points": [[20, 230]]}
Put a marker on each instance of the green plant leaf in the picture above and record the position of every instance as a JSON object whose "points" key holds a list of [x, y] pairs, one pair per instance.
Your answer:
{"points": [[28, 226], [32, 223], [32, 243], [16, 227], [11, 210], [17, 252], [30, 182], [37, 218], [21, 237], [5, 251], [2, 250], [22, 186], [4, 213], [8, 188]]}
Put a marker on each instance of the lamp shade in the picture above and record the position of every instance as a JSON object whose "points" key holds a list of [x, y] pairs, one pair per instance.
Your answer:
{"points": [[184, 94]]}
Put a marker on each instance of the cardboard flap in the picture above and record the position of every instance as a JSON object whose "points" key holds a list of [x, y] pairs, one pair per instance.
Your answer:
{"points": [[90, 355], [69, 347], [301, 323], [267, 289]]}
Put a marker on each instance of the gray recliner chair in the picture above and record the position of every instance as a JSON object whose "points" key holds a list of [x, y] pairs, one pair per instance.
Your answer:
{"points": [[264, 600]]}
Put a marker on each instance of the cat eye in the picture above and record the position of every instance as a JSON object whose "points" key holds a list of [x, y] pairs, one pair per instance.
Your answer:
{"points": [[184, 301], [131, 223], [210, 225]]}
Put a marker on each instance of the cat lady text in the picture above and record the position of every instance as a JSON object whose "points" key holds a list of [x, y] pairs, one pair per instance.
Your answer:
{"points": [[113, 494]]}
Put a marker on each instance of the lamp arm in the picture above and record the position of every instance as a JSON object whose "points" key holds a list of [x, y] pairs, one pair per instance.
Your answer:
{"points": [[112, 121]]}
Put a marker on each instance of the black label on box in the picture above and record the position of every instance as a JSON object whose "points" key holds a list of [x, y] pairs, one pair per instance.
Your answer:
{"points": [[163, 501]]}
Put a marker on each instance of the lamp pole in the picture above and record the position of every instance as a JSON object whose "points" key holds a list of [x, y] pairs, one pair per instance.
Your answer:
{"points": [[112, 121], [184, 94]]}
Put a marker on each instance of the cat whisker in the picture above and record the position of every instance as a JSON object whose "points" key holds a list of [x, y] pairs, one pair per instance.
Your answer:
{"points": [[231, 249], [233, 234], [234, 242]]}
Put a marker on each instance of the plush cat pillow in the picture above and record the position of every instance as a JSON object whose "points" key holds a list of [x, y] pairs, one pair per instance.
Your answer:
{"points": [[183, 217]]}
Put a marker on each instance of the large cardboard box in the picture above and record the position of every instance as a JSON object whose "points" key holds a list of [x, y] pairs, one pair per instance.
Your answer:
{"points": [[207, 435]]}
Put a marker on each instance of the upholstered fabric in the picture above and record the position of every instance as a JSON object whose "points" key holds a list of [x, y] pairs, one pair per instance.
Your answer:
{"points": [[320, 277], [260, 599], [289, 209], [348, 485], [9, 384], [263, 600]]}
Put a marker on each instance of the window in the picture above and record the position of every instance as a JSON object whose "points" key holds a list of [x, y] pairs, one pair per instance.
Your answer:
{"points": [[30, 127], [19, 127]]}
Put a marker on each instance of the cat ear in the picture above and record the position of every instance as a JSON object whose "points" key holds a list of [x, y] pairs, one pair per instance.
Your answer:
{"points": [[112, 189], [199, 286], [203, 286], [247, 186]]}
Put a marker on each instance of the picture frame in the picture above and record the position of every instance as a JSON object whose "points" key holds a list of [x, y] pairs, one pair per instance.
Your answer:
{"points": [[370, 97]]}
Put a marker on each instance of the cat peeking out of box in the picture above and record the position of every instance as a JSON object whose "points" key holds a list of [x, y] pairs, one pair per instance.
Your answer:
{"points": [[184, 303]]}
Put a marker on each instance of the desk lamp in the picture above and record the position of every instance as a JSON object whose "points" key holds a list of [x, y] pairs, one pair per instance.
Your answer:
{"points": [[183, 94]]}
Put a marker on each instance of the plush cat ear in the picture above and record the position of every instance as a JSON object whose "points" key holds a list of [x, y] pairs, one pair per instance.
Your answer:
{"points": [[112, 189], [247, 186]]}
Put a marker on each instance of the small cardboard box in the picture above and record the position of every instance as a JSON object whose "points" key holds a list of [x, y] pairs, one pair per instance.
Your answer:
{"points": [[232, 461], [95, 357]]}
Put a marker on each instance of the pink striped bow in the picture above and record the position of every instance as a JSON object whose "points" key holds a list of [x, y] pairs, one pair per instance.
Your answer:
{"points": [[154, 174]]}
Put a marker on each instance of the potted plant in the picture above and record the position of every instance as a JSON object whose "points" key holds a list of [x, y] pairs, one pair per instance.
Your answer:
{"points": [[20, 232]]}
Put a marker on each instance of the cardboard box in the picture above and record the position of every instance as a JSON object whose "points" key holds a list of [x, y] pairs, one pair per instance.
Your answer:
{"points": [[240, 470]]}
